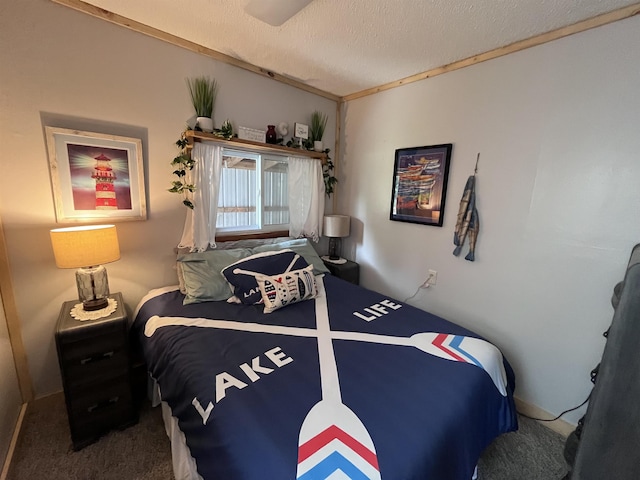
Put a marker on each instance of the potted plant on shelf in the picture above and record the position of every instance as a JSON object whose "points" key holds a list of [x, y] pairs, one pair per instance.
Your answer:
{"points": [[203, 92], [318, 124]]}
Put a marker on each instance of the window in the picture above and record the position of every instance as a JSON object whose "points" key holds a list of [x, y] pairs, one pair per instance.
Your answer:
{"points": [[254, 193]]}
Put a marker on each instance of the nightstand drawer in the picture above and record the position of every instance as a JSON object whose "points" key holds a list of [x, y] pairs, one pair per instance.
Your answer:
{"points": [[72, 331], [95, 366], [94, 412], [94, 357], [89, 405], [89, 346]]}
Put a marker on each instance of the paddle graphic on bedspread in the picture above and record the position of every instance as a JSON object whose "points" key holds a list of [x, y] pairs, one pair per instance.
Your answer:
{"points": [[332, 439]]}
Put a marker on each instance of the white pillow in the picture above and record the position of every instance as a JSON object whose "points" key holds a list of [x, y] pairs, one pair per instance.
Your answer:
{"points": [[286, 288]]}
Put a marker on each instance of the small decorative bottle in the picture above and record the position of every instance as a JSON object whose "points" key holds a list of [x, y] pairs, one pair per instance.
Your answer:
{"points": [[271, 136]]}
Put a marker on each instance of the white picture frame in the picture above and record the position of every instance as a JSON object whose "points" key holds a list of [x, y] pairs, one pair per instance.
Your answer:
{"points": [[84, 195]]}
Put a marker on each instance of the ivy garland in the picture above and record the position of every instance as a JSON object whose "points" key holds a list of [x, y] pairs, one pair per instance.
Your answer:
{"points": [[183, 164], [327, 174]]}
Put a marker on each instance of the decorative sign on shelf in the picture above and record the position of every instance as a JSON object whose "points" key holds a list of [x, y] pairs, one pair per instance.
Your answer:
{"points": [[301, 130], [245, 133]]}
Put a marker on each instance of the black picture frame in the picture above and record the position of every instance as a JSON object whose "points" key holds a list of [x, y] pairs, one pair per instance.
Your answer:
{"points": [[419, 190]]}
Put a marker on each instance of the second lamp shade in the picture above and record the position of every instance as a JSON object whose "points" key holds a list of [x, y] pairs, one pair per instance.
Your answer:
{"points": [[336, 225]]}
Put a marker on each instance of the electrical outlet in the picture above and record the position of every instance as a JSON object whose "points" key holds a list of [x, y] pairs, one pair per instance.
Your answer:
{"points": [[432, 278]]}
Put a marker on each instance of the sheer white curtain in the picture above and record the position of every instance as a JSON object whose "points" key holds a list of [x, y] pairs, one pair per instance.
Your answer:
{"points": [[306, 197], [200, 225]]}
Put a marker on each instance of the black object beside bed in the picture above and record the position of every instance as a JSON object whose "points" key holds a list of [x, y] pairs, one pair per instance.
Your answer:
{"points": [[609, 441]]}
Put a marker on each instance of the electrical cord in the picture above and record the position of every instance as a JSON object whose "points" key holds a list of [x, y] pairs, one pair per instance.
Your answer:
{"points": [[409, 298], [556, 418], [425, 284]]}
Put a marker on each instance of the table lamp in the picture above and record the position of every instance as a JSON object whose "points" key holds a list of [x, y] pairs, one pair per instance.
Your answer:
{"points": [[335, 227], [87, 248]]}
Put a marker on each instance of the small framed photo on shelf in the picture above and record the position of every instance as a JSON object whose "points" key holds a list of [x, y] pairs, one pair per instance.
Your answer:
{"points": [[420, 184], [301, 130], [96, 177]]}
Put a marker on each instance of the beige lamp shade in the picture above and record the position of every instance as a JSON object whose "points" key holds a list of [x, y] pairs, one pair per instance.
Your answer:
{"points": [[336, 225], [77, 247]]}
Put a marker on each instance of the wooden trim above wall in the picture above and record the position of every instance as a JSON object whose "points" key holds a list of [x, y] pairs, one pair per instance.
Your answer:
{"points": [[188, 45], [13, 323], [587, 24], [336, 154], [597, 21]]}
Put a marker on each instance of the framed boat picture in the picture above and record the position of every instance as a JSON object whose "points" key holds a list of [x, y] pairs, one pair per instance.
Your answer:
{"points": [[420, 184]]}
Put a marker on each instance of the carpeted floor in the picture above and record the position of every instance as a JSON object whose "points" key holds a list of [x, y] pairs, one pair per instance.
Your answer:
{"points": [[534, 452], [142, 452]]}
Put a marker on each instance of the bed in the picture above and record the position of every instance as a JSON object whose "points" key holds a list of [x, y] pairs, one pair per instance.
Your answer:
{"points": [[319, 379]]}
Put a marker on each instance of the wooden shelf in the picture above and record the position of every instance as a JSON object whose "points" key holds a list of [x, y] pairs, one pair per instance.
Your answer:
{"points": [[194, 136]]}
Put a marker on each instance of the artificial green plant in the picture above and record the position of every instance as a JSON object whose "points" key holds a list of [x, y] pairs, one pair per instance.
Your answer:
{"points": [[318, 124], [203, 91]]}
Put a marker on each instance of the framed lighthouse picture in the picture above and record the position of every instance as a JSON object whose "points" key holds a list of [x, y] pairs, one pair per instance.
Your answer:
{"points": [[96, 176]]}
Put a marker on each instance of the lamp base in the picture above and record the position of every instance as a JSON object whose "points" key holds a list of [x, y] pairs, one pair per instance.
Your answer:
{"points": [[97, 304], [337, 261], [93, 287], [335, 245]]}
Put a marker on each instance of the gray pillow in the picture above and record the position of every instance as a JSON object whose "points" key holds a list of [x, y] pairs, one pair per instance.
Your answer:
{"points": [[249, 242], [203, 281], [303, 247]]}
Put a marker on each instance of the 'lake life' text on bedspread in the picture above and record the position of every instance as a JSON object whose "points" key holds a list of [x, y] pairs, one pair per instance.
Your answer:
{"points": [[377, 310], [225, 380], [356, 332]]}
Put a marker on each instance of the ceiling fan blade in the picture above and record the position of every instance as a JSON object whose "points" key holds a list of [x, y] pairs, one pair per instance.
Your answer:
{"points": [[275, 12]]}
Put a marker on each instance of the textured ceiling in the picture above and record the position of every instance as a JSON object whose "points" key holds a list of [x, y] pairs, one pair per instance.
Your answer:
{"points": [[346, 46]]}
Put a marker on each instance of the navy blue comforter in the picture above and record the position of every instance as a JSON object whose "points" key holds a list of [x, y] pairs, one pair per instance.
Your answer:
{"points": [[352, 381]]}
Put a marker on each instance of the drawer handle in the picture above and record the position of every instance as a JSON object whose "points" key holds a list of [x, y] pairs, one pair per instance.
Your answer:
{"points": [[97, 358], [102, 405]]}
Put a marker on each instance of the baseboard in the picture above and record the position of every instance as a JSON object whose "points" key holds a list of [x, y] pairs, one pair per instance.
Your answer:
{"points": [[560, 426], [48, 395], [14, 442]]}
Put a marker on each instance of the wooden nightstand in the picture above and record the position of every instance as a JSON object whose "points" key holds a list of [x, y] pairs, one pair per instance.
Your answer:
{"points": [[349, 271], [95, 365]]}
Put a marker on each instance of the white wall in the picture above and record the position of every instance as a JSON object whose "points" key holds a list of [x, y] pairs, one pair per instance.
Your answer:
{"points": [[558, 129], [10, 398], [63, 68]]}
